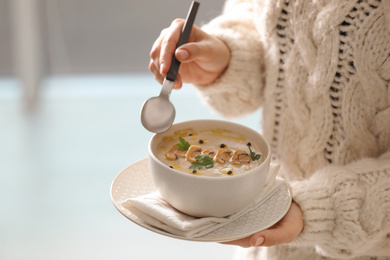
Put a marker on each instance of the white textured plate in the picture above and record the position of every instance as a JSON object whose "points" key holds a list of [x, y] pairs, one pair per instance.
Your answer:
{"points": [[135, 180]]}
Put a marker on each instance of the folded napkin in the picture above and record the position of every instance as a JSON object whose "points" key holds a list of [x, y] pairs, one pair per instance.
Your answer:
{"points": [[155, 211]]}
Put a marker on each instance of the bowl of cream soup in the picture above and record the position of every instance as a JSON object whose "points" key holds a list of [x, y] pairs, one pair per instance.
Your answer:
{"points": [[209, 168]]}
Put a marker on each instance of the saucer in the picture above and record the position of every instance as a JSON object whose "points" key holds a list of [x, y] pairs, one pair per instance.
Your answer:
{"points": [[135, 180]]}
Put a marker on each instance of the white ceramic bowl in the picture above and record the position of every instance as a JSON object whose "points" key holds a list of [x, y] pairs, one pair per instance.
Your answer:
{"points": [[204, 196]]}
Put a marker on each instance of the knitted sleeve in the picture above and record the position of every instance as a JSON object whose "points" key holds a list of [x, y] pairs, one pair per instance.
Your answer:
{"points": [[347, 209], [346, 205], [242, 82]]}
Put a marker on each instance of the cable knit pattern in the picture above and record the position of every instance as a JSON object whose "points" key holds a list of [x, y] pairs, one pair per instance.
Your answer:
{"points": [[320, 69]]}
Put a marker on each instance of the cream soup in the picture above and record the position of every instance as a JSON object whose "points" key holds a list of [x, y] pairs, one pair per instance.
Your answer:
{"points": [[210, 152]]}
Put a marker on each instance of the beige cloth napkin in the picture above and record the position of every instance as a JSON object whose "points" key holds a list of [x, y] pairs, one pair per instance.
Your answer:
{"points": [[155, 211]]}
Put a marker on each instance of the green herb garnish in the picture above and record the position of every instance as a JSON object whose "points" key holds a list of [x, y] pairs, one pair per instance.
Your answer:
{"points": [[203, 160], [183, 145], [254, 156]]}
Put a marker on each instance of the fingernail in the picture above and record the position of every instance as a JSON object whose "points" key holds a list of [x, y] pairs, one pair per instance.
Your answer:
{"points": [[162, 67], [182, 54], [259, 241], [177, 85]]}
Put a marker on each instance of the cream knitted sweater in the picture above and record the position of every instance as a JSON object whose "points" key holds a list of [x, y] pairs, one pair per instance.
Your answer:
{"points": [[321, 71]]}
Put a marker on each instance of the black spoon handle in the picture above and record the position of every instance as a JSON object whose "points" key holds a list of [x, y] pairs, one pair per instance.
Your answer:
{"points": [[185, 34]]}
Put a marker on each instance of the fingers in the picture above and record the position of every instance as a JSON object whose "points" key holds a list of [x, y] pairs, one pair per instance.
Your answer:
{"points": [[160, 78], [163, 50], [155, 53], [178, 82], [155, 70], [272, 237], [284, 232], [203, 57], [244, 242], [168, 45], [164, 47]]}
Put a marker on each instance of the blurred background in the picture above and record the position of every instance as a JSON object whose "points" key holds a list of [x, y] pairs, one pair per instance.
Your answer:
{"points": [[73, 77]]}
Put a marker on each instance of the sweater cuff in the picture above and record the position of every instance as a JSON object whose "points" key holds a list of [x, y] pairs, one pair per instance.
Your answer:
{"points": [[316, 204], [239, 89], [345, 207]]}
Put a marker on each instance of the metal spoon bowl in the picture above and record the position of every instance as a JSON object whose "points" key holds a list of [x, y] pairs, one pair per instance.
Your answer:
{"points": [[158, 113]]}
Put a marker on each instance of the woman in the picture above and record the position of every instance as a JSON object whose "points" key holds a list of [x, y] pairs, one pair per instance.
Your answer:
{"points": [[320, 70]]}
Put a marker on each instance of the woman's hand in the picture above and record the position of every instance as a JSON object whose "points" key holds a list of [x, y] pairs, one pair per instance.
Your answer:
{"points": [[202, 59], [283, 232]]}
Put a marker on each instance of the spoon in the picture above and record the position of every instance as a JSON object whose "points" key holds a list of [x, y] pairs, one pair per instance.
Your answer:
{"points": [[158, 113]]}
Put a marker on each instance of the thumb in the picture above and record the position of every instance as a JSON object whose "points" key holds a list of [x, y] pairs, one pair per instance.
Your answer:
{"points": [[285, 231], [191, 51], [269, 238], [182, 54]]}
